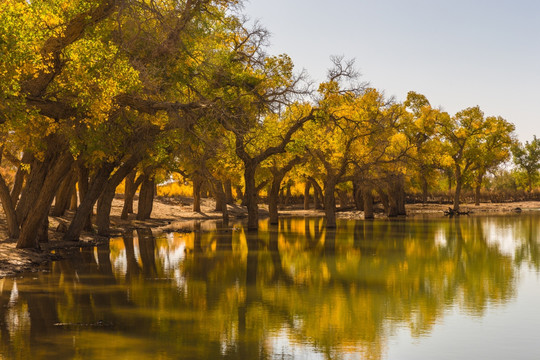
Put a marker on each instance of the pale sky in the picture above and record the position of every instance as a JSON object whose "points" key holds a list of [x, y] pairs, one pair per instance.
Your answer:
{"points": [[457, 53]]}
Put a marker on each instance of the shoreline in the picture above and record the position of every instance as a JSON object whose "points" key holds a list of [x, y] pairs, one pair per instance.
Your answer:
{"points": [[169, 214]]}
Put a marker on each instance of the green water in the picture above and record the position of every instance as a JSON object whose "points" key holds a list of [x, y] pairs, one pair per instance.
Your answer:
{"points": [[466, 288]]}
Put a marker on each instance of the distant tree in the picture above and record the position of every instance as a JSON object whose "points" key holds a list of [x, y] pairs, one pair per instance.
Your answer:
{"points": [[527, 158]]}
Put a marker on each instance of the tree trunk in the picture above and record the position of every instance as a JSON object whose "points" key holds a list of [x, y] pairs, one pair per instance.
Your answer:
{"points": [[250, 197], [318, 194], [41, 204], [477, 189], [63, 195], [343, 198], [107, 196], [89, 196], [83, 175], [129, 188], [9, 209], [357, 195], [458, 188], [73, 202], [273, 199], [424, 190], [17, 185], [101, 183], [197, 185], [228, 192], [43, 233], [104, 205], [31, 190], [306, 195], [221, 197], [330, 203], [146, 199], [130, 195], [400, 195], [288, 195], [384, 200], [239, 193], [368, 204], [392, 204]]}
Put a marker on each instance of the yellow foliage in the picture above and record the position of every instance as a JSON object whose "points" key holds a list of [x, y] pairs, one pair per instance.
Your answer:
{"points": [[175, 189]]}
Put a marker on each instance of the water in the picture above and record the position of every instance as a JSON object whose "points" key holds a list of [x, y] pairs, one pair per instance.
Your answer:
{"points": [[465, 288]]}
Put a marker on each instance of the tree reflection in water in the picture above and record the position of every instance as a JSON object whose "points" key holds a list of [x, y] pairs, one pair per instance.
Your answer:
{"points": [[291, 289]]}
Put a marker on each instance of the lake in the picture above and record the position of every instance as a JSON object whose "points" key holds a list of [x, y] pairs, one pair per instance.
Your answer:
{"points": [[419, 288]]}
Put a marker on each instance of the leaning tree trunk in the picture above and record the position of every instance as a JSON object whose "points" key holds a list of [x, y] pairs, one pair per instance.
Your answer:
{"points": [[89, 196], [63, 195], [18, 184], [73, 202], [32, 188], [146, 199], [105, 203], [30, 226], [130, 195], [330, 203]]}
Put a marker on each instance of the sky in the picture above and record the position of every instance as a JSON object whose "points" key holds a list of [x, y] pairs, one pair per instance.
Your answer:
{"points": [[457, 53]]}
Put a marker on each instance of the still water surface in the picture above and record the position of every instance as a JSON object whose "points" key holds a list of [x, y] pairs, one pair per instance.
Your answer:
{"points": [[466, 288]]}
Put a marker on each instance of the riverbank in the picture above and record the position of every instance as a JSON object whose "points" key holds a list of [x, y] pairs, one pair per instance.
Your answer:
{"points": [[169, 214]]}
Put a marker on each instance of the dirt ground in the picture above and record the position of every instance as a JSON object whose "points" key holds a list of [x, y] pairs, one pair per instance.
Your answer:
{"points": [[169, 214]]}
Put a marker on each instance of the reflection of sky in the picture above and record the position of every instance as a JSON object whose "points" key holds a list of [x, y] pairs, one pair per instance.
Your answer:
{"points": [[283, 347], [503, 332], [172, 255], [120, 263], [505, 237]]}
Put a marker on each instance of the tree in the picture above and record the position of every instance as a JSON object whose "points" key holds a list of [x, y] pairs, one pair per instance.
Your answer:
{"points": [[494, 147], [461, 135], [527, 158]]}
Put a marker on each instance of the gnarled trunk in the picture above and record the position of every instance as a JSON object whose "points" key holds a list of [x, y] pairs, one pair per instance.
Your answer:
{"points": [[89, 196], [41, 205]]}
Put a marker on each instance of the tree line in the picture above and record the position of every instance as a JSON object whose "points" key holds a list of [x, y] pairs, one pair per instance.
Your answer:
{"points": [[99, 92]]}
